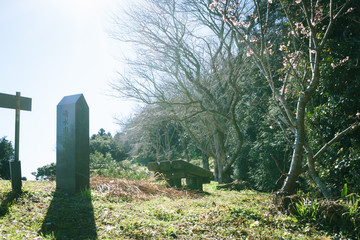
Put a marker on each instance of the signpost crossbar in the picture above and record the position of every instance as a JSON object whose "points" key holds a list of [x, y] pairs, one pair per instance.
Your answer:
{"points": [[9, 101]]}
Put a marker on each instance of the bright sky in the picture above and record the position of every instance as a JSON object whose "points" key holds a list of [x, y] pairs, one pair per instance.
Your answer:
{"points": [[50, 49]]}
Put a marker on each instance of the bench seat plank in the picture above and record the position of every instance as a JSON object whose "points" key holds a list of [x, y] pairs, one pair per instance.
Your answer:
{"points": [[175, 170]]}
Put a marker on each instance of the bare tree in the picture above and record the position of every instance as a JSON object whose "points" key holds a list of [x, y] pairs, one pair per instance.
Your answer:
{"points": [[191, 67], [151, 132]]}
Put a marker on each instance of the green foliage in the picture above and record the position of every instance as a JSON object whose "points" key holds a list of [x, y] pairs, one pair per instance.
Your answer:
{"points": [[106, 166], [336, 103], [6, 154], [45, 172], [306, 209], [265, 155], [344, 191], [352, 214], [107, 158], [342, 216], [100, 165], [104, 143]]}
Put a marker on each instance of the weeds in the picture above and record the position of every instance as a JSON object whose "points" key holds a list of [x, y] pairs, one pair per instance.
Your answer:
{"points": [[306, 209], [106, 166], [352, 214], [341, 216]]}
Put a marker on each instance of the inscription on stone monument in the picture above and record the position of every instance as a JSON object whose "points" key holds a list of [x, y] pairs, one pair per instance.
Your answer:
{"points": [[72, 144]]}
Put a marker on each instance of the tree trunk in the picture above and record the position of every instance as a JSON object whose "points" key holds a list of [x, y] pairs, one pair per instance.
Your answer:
{"points": [[295, 167], [216, 170], [297, 157], [220, 172], [205, 161], [220, 154], [314, 174], [226, 177], [186, 150]]}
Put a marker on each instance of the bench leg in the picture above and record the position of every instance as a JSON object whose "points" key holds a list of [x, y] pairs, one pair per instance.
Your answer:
{"points": [[177, 182], [194, 183], [199, 184], [174, 182]]}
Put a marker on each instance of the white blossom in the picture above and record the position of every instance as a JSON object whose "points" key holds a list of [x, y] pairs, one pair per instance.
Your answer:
{"points": [[249, 52]]}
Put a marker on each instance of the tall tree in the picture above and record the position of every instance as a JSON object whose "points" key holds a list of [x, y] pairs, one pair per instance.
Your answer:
{"points": [[305, 28]]}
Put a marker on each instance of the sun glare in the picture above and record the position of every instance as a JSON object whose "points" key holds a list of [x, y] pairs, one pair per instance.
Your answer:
{"points": [[81, 9]]}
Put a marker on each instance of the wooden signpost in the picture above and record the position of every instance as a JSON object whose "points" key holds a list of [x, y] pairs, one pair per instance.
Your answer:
{"points": [[18, 103]]}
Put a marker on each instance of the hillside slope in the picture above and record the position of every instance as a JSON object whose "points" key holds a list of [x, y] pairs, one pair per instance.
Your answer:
{"points": [[121, 209]]}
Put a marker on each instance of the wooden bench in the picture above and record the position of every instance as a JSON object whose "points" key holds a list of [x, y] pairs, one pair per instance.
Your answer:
{"points": [[174, 171]]}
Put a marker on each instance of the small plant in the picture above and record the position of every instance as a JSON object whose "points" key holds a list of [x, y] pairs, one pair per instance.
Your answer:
{"points": [[86, 194], [306, 209], [344, 191], [164, 215], [170, 232], [353, 204], [352, 213]]}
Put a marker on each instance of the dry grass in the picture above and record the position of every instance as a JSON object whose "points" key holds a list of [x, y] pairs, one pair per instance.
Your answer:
{"points": [[137, 189]]}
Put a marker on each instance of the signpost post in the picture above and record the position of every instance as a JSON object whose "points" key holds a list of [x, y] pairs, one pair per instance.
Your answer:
{"points": [[18, 103]]}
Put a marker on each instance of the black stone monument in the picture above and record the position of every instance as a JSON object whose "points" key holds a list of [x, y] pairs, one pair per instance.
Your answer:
{"points": [[72, 144]]}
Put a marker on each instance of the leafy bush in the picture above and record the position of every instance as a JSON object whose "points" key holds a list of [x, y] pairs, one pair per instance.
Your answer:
{"points": [[106, 166], [104, 143], [45, 172]]}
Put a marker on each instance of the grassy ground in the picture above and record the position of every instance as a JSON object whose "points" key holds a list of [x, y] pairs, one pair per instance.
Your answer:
{"points": [[119, 209]]}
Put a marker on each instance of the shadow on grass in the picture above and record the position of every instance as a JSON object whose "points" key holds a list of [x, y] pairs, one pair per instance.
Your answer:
{"points": [[70, 217], [6, 201]]}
